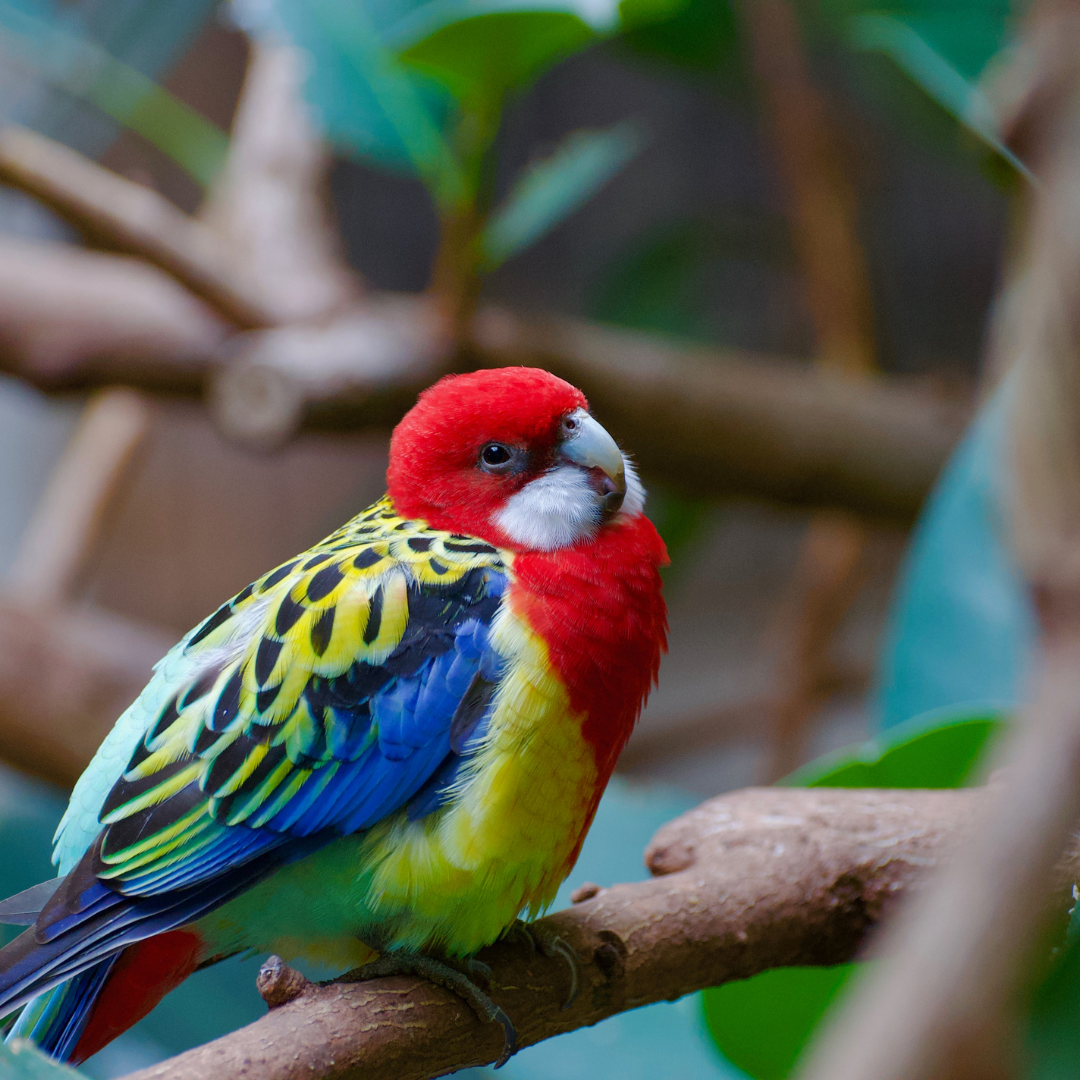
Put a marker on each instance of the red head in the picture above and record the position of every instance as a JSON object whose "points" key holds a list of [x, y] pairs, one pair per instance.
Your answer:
{"points": [[510, 455]]}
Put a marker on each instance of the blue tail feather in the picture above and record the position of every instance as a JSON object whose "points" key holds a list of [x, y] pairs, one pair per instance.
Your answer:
{"points": [[56, 1019]]}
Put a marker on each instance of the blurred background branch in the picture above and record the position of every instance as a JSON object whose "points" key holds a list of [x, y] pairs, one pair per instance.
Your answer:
{"points": [[766, 429], [73, 667]]}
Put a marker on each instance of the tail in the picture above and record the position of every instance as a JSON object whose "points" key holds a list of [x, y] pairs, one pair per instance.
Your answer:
{"points": [[94, 962], [56, 1019], [76, 1019]]}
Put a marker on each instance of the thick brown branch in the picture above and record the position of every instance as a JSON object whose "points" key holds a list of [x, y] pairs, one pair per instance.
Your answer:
{"points": [[752, 880], [711, 423], [708, 422]]}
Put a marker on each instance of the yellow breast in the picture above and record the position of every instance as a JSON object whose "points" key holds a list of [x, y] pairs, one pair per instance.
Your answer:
{"points": [[457, 878]]}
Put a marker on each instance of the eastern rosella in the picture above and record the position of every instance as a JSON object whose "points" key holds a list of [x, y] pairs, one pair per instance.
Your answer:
{"points": [[392, 744]]}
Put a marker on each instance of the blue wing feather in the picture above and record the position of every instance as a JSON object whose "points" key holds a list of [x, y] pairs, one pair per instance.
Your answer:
{"points": [[237, 770]]}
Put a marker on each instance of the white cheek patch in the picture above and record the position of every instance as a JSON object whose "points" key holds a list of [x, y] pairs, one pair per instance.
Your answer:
{"points": [[560, 508], [634, 500], [551, 512]]}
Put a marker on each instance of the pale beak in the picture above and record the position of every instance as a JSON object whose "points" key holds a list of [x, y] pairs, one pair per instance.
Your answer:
{"points": [[590, 446]]}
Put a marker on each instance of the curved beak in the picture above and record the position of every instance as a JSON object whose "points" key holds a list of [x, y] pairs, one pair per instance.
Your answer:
{"points": [[593, 449]]}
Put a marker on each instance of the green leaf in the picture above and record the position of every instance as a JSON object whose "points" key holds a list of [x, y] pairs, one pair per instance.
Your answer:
{"points": [[637, 13], [762, 1024], [86, 71], [1053, 1044], [702, 35], [931, 70], [941, 750], [553, 188], [480, 49], [21, 1060]]}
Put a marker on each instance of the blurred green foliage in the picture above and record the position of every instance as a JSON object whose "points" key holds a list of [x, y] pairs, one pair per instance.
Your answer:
{"points": [[421, 87], [552, 189], [941, 750], [763, 1024]]}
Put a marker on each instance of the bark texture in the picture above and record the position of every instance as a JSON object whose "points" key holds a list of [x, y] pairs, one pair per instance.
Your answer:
{"points": [[748, 881]]}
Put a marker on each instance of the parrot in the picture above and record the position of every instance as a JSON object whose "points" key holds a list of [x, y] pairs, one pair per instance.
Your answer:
{"points": [[382, 753]]}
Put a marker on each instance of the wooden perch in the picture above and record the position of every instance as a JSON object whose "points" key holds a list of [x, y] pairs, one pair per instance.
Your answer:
{"points": [[748, 881]]}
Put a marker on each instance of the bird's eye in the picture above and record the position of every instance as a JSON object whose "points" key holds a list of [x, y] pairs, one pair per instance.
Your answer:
{"points": [[570, 424], [496, 458]]}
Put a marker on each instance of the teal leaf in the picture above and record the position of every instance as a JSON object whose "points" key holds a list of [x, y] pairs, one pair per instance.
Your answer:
{"points": [[763, 1024], [21, 1060], [480, 49], [939, 750], [398, 102], [962, 626], [933, 72], [83, 69], [551, 189], [366, 102]]}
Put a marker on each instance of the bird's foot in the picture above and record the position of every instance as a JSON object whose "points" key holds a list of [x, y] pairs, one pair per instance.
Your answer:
{"points": [[450, 978], [537, 935]]}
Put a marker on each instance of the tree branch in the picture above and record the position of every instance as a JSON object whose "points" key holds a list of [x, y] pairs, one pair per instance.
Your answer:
{"points": [[121, 215], [750, 881], [71, 317]]}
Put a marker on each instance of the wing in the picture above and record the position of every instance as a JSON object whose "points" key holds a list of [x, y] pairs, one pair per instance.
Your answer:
{"points": [[335, 709], [345, 685]]}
